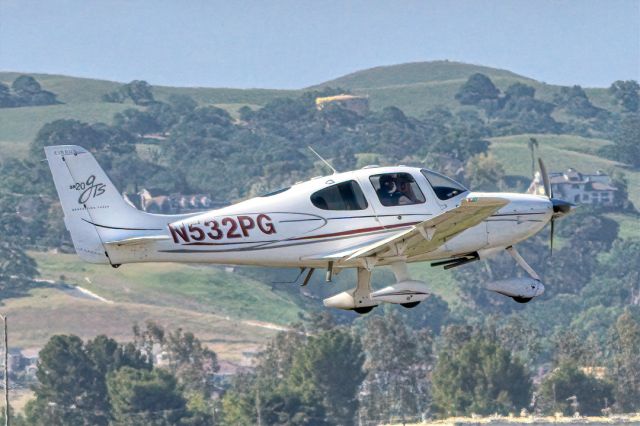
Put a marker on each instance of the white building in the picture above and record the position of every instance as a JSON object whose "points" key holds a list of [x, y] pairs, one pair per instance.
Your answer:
{"points": [[578, 188]]}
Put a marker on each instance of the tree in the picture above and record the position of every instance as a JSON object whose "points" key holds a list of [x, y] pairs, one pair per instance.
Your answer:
{"points": [[266, 394], [626, 94], [569, 390], [397, 365], [626, 139], [136, 121], [481, 377], [329, 369], [29, 92], [191, 362], [6, 99], [576, 102], [484, 173], [140, 92], [533, 144], [142, 397], [68, 390], [17, 269], [182, 104], [477, 88], [25, 84], [626, 371]]}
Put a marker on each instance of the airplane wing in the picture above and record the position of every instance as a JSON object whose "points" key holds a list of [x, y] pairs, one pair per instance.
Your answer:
{"points": [[426, 236]]}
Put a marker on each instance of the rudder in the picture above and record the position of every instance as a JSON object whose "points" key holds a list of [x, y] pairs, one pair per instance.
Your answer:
{"points": [[94, 210]]}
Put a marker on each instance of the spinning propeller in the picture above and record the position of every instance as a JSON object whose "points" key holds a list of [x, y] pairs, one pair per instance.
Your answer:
{"points": [[560, 207]]}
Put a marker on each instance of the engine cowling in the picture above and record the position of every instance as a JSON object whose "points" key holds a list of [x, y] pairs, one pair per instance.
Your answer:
{"points": [[523, 288]]}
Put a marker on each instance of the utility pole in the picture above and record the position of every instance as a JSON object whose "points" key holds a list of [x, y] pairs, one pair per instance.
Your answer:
{"points": [[6, 371]]}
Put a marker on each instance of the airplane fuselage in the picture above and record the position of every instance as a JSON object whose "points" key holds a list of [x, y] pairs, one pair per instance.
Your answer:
{"points": [[297, 227]]}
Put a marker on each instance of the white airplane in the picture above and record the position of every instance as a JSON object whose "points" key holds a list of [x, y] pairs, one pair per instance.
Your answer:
{"points": [[360, 219]]}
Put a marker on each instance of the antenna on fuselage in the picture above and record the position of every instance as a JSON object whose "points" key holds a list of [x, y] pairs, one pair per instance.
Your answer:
{"points": [[323, 160]]}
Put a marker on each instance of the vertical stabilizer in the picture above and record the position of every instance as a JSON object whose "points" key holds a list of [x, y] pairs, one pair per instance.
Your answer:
{"points": [[94, 210]]}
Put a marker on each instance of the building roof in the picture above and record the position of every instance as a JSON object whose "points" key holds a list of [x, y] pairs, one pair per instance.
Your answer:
{"points": [[343, 97]]}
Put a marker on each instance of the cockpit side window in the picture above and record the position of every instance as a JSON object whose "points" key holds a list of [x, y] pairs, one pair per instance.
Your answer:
{"points": [[397, 189], [342, 196], [444, 187]]}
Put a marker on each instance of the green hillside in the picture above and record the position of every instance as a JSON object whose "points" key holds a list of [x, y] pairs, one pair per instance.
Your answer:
{"points": [[416, 72], [415, 88], [231, 312], [420, 86], [81, 99]]}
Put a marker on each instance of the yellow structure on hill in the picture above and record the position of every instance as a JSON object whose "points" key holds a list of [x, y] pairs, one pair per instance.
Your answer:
{"points": [[357, 104]]}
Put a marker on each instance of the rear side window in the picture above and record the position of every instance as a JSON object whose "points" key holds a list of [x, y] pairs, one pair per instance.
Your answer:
{"points": [[342, 196]]}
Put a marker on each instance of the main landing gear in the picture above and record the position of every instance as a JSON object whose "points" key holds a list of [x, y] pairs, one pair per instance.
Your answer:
{"points": [[361, 299]]}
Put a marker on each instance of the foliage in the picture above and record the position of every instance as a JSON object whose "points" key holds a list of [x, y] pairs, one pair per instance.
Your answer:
{"points": [[480, 377], [626, 139], [397, 365], [478, 88], [626, 363], [17, 269], [484, 173], [329, 369], [142, 397], [626, 94], [69, 389], [103, 382], [139, 91], [187, 358], [568, 390], [25, 91], [617, 277]]}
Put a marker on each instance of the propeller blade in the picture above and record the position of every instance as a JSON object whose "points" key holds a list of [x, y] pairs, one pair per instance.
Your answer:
{"points": [[545, 179], [551, 238]]}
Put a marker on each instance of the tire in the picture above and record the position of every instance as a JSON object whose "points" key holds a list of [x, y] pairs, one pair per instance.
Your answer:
{"points": [[364, 310]]}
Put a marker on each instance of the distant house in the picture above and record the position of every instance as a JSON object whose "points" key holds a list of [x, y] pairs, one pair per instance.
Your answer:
{"points": [[578, 188], [357, 104], [170, 204]]}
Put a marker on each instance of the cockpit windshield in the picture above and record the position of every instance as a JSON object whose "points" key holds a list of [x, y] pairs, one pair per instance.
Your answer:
{"points": [[444, 187]]}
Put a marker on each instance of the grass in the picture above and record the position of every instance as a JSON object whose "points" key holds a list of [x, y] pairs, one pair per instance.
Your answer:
{"points": [[232, 314], [50, 311], [628, 225], [415, 72], [203, 289], [417, 87], [19, 126]]}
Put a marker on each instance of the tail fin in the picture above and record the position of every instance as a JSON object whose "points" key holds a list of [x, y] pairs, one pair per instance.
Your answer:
{"points": [[94, 210]]}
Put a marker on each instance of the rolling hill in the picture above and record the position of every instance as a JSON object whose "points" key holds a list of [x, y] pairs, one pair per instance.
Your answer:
{"points": [[419, 86], [230, 312]]}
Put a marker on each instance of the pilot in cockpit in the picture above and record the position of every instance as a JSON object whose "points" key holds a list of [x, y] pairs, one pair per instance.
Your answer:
{"points": [[387, 192]]}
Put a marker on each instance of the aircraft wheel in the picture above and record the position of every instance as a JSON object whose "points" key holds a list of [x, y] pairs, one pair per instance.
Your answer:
{"points": [[364, 310], [522, 299], [410, 305]]}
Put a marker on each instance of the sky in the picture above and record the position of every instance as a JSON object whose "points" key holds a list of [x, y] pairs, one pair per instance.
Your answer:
{"points": [[297, 43]]}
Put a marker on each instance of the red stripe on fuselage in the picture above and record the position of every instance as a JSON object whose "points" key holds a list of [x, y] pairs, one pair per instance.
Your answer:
{"points": [[354, 231]]}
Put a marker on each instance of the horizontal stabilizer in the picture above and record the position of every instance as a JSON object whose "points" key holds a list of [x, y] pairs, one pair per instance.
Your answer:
{"points": [[137, 240]]}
